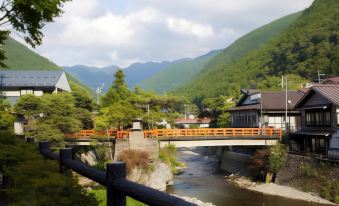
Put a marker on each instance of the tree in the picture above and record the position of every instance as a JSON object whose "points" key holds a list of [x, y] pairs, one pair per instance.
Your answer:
{"points": [[268, 161], [118, 91], [51, 116], [117, 115], [6, 118], [30, 106], [27, 17]]}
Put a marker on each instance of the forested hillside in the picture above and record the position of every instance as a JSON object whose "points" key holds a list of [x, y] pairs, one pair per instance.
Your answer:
{"points": [[177, 75], [308, 44], [93, 77], [20, 57]]}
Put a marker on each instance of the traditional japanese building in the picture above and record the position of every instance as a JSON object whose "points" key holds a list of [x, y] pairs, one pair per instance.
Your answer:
{"points": [[319, 133], [266, 109]]}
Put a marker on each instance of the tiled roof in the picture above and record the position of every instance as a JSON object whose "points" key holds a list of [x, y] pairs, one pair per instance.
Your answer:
{"points": [[333, 80], [277, 100], [273, 101], [331, 92], [245, 107], [29, 78], [192, 121]]}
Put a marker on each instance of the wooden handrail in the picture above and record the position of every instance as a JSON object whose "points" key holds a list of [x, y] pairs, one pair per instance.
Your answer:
{"points": [[213, 132], [201, 132]]}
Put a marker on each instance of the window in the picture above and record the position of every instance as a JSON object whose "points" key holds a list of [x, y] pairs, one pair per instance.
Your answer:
{"points": [[244, 119], [318, 118], [26, 91]]}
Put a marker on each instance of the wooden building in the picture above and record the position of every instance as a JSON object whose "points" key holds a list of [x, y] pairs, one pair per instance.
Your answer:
{"points": [[319, 133], [266, 109]]}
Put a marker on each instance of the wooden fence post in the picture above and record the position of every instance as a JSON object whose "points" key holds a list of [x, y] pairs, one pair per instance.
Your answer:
{"points": [[65, 153], [115, 171]]}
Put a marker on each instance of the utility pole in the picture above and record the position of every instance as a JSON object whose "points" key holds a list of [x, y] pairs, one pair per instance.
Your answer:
{"points": [[319, 76], [186, 111], [148, 117], [98, 92], [261, 116], [286, 98]]}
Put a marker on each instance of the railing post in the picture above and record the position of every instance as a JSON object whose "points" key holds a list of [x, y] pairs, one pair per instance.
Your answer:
{"points": [[43, 145], [115, 171], [65, 153]]}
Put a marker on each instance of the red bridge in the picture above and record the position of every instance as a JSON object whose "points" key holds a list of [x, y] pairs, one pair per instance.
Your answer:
{"points": [[196, 137]]}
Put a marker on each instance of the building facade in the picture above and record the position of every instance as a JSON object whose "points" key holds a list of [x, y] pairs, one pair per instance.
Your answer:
{"points": [[266, 109], [14, 84], [319, 133]]}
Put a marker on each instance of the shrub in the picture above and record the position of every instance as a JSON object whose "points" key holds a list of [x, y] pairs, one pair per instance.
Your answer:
{"points": [[32, 180], [260, 163], [268, 161], [135, 158], [168, 155]]}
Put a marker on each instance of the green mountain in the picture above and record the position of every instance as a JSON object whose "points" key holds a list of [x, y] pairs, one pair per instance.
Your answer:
{"points": [[177, 75], [304, 43], [20, 57]]}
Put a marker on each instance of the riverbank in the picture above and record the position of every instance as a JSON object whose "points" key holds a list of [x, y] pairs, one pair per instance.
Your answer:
{"points": [[277, 190]]}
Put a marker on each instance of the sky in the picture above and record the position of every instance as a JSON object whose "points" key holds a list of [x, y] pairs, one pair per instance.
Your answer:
{"points": [[121, 32]]}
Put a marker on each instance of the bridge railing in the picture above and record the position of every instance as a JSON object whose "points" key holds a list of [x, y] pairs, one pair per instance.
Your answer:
{"points": [[114, 179], [91, 132], [214, 132], [201, 132]]}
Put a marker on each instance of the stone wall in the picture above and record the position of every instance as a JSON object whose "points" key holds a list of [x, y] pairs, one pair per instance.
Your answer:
{"points": [[307, 174], [235, 163], [136, 140]]}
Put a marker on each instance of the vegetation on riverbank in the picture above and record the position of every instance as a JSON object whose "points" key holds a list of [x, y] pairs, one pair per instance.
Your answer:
{"points": [[316, 179], [30, 179], [135, 158], [168, 155], [267, 162]]}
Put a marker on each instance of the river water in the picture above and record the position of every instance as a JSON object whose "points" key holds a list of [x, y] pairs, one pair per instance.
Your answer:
{"points": [[204, 180]]}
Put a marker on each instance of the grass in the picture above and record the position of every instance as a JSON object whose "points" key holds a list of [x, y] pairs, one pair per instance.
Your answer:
{"points": [[168, 155], [100, 195]]}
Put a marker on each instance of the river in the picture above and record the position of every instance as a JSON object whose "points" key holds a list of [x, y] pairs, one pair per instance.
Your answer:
{"points": [[204, 180]]}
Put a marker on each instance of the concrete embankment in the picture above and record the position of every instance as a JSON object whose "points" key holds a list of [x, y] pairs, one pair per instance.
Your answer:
{"points": [[297, 175]]}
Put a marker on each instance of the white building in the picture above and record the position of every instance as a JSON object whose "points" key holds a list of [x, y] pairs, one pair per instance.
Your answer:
{"points": [[14, 84]]}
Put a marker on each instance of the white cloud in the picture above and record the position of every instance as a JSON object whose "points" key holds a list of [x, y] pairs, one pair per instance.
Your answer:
{"points": [[188, 27], [101, 32]]}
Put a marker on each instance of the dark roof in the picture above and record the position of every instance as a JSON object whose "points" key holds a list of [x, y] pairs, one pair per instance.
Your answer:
{"points": [[29, 78], [272, 100], [330, 92], [333, 80], [277, 100], [250, 91], [245, 107]]}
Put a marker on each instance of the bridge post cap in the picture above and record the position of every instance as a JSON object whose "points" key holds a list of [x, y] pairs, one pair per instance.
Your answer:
{"points": [[136, 126]]}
